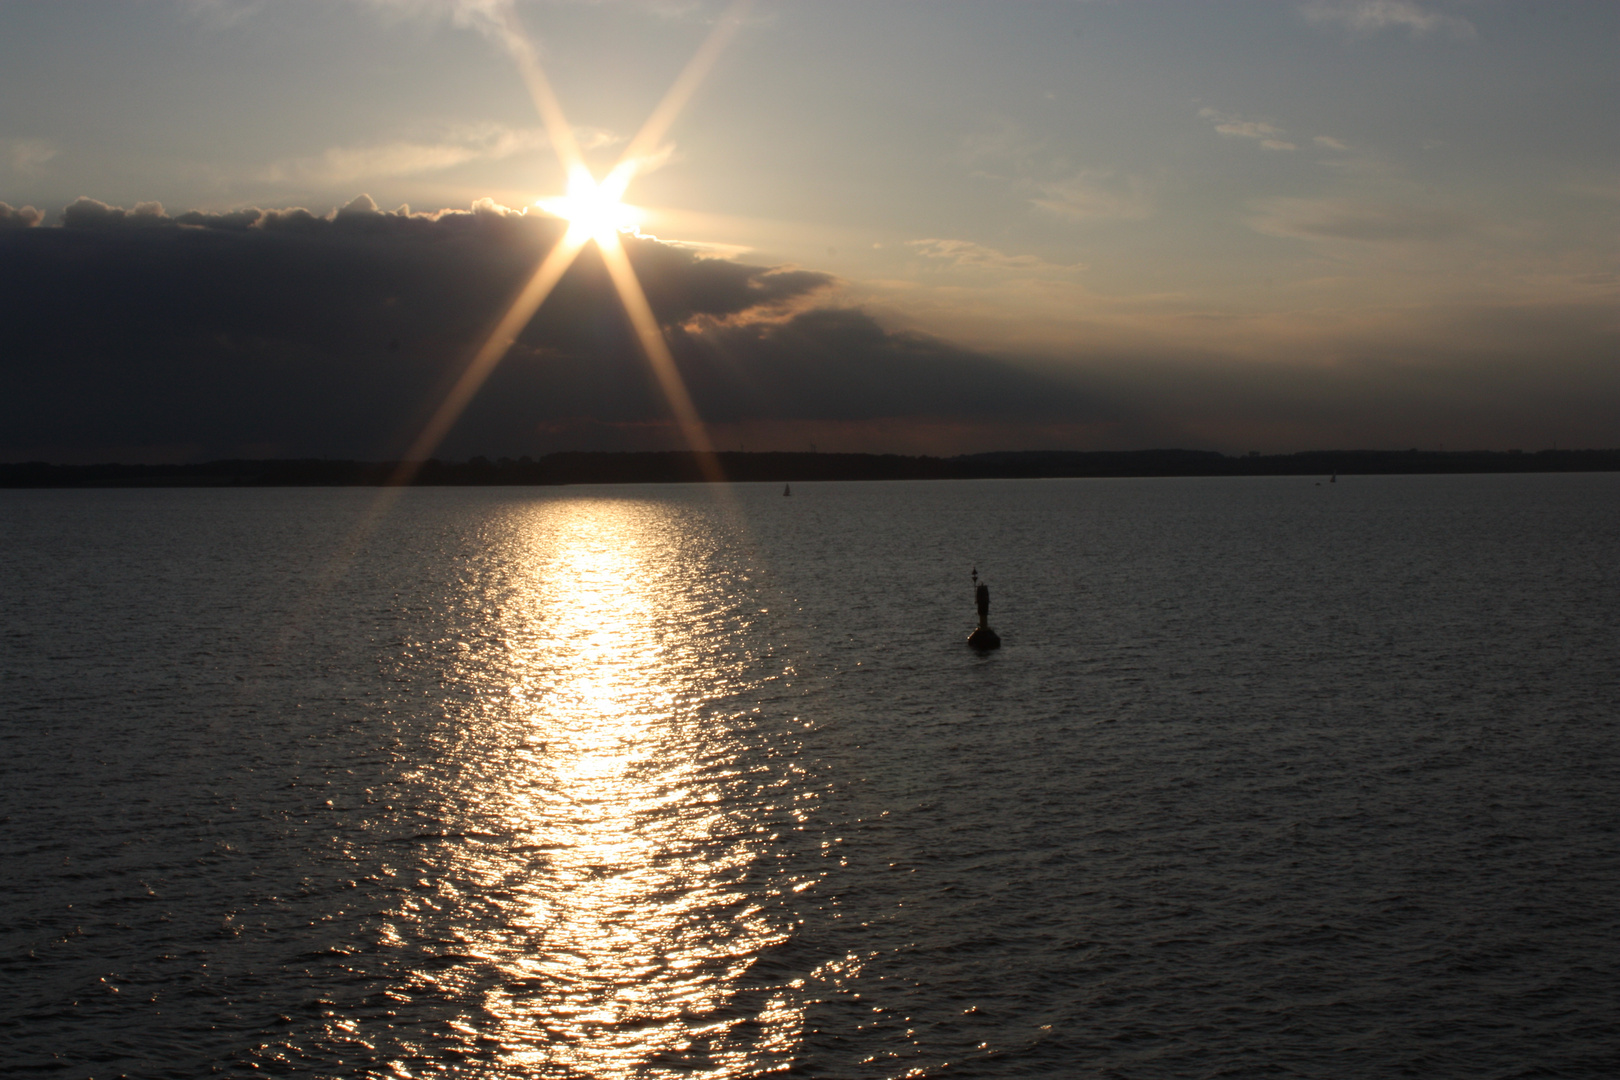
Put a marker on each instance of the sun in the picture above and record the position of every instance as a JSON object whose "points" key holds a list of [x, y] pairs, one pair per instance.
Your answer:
{"points": [[591, 208], [594, 211]]}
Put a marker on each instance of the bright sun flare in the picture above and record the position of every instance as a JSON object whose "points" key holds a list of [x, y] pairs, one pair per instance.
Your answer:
{"points": [[593, 212], [593, 209]]}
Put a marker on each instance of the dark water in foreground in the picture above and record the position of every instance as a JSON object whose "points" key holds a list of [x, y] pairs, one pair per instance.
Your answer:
{"points": [[1270, 779]]}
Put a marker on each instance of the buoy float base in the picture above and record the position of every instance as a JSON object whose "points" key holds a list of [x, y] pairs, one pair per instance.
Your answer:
{"points": [[984, 639]]}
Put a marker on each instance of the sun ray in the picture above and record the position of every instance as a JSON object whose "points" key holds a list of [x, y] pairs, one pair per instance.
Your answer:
{"points": [[558, 130], [686, 83], [595, 211], [605, 199], [662, 361], [495, 346]]}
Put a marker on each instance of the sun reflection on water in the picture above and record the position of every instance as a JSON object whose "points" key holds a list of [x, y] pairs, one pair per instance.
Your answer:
{"points": [[636, 896]]}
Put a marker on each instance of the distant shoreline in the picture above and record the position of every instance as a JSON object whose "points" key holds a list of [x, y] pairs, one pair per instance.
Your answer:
{"points": [[740, 467]]}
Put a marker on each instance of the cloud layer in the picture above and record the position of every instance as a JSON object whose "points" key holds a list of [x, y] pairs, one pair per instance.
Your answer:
{"points": [[1374, 16], [133, 332]]}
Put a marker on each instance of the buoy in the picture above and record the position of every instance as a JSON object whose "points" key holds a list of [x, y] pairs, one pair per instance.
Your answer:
{"points": [[984, 639]]}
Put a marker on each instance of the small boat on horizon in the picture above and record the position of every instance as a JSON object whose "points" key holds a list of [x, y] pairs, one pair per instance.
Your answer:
{"points": [[786, 490]]}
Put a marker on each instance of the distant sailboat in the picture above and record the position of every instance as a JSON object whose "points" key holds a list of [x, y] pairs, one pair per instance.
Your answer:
{"points": [[786, 490], [1334, 479]]}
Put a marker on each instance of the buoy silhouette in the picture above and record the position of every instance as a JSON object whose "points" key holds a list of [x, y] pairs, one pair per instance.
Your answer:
{"points": [[984, 639]]}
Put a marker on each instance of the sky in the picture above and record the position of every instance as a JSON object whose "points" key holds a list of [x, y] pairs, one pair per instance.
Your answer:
{"points": [[917, 227]]}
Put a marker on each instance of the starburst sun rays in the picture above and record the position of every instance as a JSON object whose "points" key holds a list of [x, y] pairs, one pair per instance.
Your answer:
{"points": [[595, 213]]}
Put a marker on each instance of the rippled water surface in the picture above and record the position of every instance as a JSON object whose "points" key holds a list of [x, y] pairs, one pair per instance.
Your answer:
{"points": [[1270, 778]]}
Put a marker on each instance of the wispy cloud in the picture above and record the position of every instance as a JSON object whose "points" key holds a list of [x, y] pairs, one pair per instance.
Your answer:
{"points": [[1367, 17], [1002, 142], [1606, 188], [967, 255], [1358, 220], [475, 143], [492, 12], [1267, 134], [485, 15], [223, 11], [1006, 152], [26, 157], [1328, 142], [1097, 194], [480, 13]]}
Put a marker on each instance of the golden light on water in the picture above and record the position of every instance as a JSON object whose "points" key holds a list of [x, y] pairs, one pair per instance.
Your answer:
{"points": [[632, 910]]}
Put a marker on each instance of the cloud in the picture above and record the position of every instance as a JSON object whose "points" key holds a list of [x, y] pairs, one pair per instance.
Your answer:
{"points": [[1050, 181], [1327, 142], [287, 332], [1001, 141], [485, 15], [87, 213], [490, 15], [1603, 188], [839, 364], [481, 13], [1358, 220], [27, 157], [227, 12], [333, 334], [967, 255], [346, 166], [25, 217], [1367, 17], [1097, 195], [1268, 135]]}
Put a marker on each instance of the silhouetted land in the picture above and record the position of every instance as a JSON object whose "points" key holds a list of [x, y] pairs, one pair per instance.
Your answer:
{"points": [[681, 467]]}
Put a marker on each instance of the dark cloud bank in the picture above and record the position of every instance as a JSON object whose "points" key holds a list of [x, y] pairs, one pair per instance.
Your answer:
{"points": [[130, 334]]}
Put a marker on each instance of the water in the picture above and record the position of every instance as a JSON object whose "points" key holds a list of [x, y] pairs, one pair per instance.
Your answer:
{"points": [[1268, 779]]}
